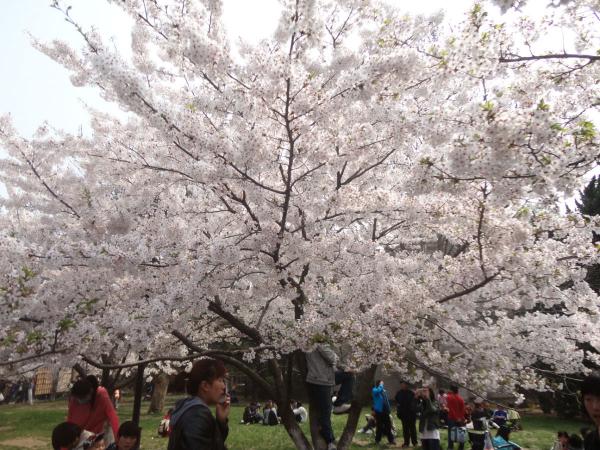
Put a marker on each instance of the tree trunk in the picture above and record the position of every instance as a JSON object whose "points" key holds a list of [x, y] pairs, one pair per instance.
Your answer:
{"points": [[293, 429], [137, 400], [362, 397], [283, 397], [157, 402]]}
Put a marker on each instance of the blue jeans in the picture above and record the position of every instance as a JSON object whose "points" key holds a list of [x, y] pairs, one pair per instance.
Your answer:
{"points": [[452, 424], [346, 382], [321, 396]]}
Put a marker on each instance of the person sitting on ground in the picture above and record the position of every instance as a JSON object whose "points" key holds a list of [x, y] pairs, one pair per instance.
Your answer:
{"points": [[192, 424], [590, 394], [562, 441], [270, 414], [299, 411], [575, 442], [371, 423], [500, 416], [70, 436], [252, 414], [502, 440], [128, 438]]}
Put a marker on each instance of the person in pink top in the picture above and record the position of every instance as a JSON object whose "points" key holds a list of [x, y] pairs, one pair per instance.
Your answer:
{"points": [[456, 414], [90, 407]]}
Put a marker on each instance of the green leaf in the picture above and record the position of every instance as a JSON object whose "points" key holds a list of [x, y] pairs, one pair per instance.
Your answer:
{"points": [[543, 106], [66, 324], [586, 130], [487, 106], [426, 161]]}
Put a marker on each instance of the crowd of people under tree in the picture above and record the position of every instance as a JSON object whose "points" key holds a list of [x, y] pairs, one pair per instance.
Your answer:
{"points": [[92, 422]]}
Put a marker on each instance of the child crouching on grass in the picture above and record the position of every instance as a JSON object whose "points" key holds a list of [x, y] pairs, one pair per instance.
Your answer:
{"points": [[128, 438]]}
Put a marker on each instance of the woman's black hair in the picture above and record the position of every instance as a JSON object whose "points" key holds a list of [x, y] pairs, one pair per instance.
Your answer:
{"points": [[130, 429], [64, 434], [84, 387], [94, 382], [562, 434], [81, 388], [591, 385], [431, 394]]}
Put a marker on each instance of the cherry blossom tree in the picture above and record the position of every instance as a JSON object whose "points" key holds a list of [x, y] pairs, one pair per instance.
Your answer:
{"points": [[362, 177]]}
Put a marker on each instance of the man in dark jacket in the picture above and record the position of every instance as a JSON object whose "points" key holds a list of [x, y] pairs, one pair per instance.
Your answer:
{"points": [[590, 395], [193, 426], [406, 411]]}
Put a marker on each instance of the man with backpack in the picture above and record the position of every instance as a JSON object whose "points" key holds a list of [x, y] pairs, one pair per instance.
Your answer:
{"points": [[456, 415]]}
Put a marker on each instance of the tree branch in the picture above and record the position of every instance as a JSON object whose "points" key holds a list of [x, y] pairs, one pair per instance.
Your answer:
{"points": [[467, 291]]}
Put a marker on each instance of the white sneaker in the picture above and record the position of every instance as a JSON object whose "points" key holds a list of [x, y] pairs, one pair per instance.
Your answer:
{"points": [[342, 409], [331, 446]]}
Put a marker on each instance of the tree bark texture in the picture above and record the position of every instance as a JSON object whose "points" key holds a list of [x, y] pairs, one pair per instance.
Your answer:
{"points": [[157, 402]]}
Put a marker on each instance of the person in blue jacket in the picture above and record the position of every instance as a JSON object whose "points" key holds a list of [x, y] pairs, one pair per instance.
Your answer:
{"points": [[381, 406]]}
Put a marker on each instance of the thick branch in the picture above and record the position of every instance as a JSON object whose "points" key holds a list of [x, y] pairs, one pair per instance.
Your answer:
{"points": [[467, 291], [517, 58], [231, 360], [237, 323], [30, 357]]}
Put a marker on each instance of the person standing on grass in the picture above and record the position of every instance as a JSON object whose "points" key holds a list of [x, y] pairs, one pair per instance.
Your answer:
{"points": [[381, 405], [479, 419], [90, 407], [193, 427], [590, 394], [456, 415], [406, 412], [320, 380], [429, 420]]}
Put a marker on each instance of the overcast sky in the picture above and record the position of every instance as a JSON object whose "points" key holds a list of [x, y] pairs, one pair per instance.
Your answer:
{"points": [[34, 88]]}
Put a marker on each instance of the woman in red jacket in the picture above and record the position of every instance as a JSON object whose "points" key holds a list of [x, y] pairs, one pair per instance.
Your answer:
{"points": [[90, 407]]}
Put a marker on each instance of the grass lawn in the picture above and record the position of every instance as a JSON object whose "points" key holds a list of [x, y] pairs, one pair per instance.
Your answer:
{"points": [[26, 427]]}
